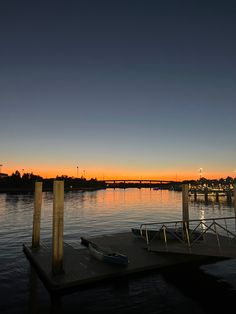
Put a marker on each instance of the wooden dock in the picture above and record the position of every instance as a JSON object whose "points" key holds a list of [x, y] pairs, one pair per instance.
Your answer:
{"points": [[81, 269], [212, 245], [63, 266]]}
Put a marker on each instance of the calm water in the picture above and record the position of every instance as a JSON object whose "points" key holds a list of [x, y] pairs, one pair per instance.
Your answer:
{"points": [[93, 213]]}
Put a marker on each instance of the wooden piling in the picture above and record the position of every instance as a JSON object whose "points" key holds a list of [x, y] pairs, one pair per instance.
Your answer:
{"points": [[37, 214], [228, 194], [185, 197], [206, 194], [58, 226], [235, 203]]}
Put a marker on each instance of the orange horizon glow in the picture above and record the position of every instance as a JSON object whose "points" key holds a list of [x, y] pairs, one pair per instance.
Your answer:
{"points": [[110, 173]]}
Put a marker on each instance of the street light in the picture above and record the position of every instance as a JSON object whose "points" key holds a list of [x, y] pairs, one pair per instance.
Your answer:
{"points": [[200, 172], [77, 171]]}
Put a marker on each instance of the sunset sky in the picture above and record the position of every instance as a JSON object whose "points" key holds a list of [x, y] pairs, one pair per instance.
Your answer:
{"points": [[119, 89]]}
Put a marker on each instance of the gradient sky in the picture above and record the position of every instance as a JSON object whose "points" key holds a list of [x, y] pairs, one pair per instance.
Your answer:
{"points": [[138, 89]]}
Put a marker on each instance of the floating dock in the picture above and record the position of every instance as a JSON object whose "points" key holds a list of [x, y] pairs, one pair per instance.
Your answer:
{"points": [[211, 245], [68, 266], [81, 269]]}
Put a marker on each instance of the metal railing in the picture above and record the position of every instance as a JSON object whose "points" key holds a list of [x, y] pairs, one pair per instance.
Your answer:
{"points": [[189, 233]]}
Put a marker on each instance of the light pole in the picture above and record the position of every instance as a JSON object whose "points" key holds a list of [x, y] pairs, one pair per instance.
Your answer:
{"points": [[77, 171], [200, 173]]}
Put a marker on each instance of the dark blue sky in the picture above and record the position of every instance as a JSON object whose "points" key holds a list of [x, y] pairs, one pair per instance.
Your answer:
{"points": [[138, 88]]}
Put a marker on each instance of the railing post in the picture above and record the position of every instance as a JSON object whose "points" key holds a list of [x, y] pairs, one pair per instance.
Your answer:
{"points": [[185, 197], [37, 214], [147, 239], [165, 237], [58, 225], [217, 237]]}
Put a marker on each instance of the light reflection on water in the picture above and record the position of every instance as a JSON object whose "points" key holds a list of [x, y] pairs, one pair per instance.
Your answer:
{"points": [[87, 214]]}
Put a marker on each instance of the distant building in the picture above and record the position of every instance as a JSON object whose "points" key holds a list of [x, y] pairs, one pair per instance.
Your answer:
{"points": [[3, 175]]}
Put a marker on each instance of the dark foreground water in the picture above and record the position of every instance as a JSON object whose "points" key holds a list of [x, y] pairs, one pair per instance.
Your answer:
{"points": [[206, 289]]}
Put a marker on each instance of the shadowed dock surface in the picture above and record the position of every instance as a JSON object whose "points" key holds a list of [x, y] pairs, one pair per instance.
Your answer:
{"points": [[80, 268], [209, 246]]}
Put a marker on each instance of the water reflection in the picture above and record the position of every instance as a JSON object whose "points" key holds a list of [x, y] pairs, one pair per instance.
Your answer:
{"points": [[202, 217], [211, 208], [223, 200], [105, 211], [33, 292], [35, 303], [88, 214], [149, 293]]}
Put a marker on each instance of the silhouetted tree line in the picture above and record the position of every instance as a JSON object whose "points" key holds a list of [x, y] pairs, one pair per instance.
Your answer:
{"points": [[25, 182]]}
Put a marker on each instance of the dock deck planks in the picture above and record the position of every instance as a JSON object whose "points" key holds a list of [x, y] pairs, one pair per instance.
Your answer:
{"points": [[81, 269]]}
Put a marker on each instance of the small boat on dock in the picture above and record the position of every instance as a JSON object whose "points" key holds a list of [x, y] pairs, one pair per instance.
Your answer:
{"points": [[105, 254]]}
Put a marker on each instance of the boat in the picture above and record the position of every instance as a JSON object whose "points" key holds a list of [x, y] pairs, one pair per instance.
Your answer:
{"points": [[105, 254]]}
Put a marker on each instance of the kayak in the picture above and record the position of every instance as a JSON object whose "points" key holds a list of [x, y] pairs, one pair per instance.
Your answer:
{"points": [[105, 254]]}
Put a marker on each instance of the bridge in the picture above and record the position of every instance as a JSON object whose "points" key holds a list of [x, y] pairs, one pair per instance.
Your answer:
{"points": [[123, 183]]}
